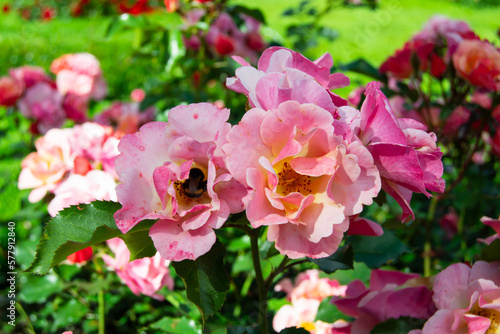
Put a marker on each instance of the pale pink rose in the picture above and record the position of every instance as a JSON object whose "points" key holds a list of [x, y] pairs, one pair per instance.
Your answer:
{"points": [[43, 104], [10, 91], [405, 154], [468, 299], [44, 169], [493, 223], [284, 75], [391, 295], [479, 63], [97, 144], [300, 314], [125, 117], [306, 180], [80, 74], [175, 171], [143, 276], [310, 286], [30, 75], [83, 189]]}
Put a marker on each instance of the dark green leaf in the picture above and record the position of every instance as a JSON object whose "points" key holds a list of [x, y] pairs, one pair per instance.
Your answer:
{"points": [[255, 13], [35, 289], [294, 330], [328, 312], [10, 201], [398, 326], [138, 241], [377, 251], [491, 252], [342, 259], [70, 313], [177, 326], [73, 229], [206, 280], [363, 67]]}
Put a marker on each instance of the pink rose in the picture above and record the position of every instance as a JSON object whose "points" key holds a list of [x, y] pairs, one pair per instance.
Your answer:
{"points": [[479, 63], [391, 295], [10, 91], [468, 299], [284, 75], [80, 74], [176, 172], [76, 107], [143, 276], [83, 189], [306, 181], [97, 144], [43, 104], [493, 223], [126, 117], [30, 75], [405, 154], [43, 170]]}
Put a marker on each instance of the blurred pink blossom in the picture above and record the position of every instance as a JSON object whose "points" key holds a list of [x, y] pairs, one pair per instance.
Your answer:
{"points": [[80, 189], [30, 75], [305, 180], [479, 63], [467, 299], [125, 117], [391, 295], [138, 95], [143, 276], [44, 169], [10, 91], [493, 223], [81, 256], [43, 104], [176, 172], [80, 74]]}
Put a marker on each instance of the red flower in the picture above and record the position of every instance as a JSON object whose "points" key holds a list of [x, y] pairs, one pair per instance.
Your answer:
{"points": [[81, 256]]}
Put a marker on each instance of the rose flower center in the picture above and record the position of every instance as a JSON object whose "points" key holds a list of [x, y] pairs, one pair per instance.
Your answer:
{"points": [[290, 181], [493, 315], [192, 188]]}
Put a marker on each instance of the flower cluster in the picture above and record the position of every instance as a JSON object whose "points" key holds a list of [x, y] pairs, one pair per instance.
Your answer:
{"points": [[460, 299], [447, 53], [300, 161], [79, 79], [305, 298], [75, 164]]}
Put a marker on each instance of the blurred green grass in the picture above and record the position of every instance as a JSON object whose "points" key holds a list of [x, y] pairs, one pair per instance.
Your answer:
{"points": [[363, 33]]}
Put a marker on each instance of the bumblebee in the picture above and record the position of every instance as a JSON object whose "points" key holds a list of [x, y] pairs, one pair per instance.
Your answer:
{"points": [[196, 184]]}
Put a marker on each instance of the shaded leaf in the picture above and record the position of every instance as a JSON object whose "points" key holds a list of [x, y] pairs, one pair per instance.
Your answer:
{"points": [[177, 326], [377, 251], [342, 259], [35, 289], [206, 280], [363, 67], [491, 252], [398, 326]]}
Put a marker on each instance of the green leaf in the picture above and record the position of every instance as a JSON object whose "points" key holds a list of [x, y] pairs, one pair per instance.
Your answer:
{"points": [[342, 259], [176, 50], [328, 312], [73, 229], [206, 280], [491, 252], [363, 67], [177, 326], [84, 225], [377, 251], [70, 313], [10, 201], [35, 289], [293, 330], [138, 241], [398, 326]]}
